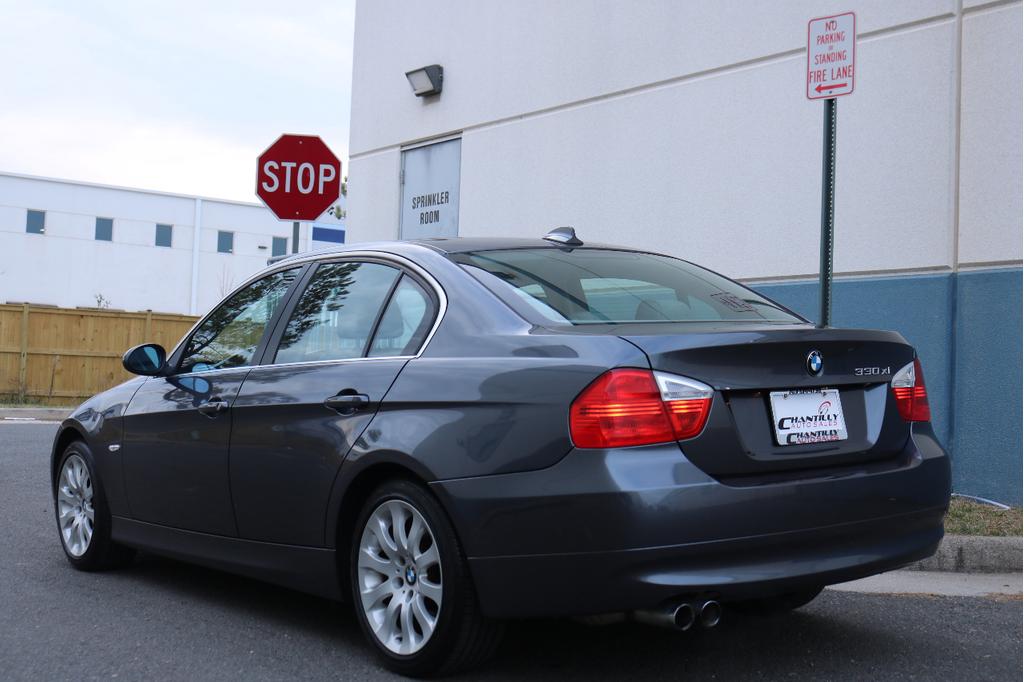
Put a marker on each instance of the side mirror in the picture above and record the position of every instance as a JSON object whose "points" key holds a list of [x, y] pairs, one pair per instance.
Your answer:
{"points": [[148, 359]]}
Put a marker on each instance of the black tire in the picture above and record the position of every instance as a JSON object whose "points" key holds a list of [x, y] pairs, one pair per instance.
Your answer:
{"points": [[782, 603], [102, 553], [463, 637]]}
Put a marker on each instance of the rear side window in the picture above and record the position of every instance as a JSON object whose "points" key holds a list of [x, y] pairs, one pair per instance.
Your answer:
{"points": [[601, 286], [336, 314], [405, 322]]}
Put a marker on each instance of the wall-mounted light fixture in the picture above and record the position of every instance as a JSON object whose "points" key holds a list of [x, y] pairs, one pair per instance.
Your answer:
{"points": [[426, 80]]}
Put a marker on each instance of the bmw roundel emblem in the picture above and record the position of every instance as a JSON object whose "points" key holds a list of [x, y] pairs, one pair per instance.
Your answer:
{"points": [[814, 363]]}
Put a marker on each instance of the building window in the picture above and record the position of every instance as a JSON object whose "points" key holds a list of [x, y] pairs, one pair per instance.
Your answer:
{"points": [[279, 247], [35, 222], [163, 235], [105, 229], [225, 241]]}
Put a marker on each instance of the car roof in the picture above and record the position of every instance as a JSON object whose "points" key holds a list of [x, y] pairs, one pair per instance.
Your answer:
{"points": [[464, 244], [445, 245]]}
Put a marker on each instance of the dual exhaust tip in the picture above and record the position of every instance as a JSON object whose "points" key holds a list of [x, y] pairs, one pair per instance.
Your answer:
{"points": [[683, 616]]}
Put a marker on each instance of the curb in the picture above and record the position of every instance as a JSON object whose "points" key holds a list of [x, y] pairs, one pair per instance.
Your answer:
{"points": [[34, 413], [974, 554]]}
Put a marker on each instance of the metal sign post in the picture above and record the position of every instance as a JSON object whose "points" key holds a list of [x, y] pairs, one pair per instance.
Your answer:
{"points": [[828, 209], [831, 53]]}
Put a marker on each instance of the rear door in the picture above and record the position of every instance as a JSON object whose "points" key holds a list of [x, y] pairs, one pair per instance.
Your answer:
{"points": [[327, 368], [177, 427]]}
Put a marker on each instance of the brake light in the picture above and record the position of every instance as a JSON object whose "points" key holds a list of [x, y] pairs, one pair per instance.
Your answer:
{"points": [[627, 407], [911, 395]]}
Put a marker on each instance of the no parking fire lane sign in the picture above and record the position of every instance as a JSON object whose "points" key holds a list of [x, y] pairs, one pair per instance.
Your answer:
{"points": [[831, 52]]}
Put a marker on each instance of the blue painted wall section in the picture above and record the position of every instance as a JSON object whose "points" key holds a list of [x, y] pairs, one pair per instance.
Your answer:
{"points": [[967, 331], [987, 439]]}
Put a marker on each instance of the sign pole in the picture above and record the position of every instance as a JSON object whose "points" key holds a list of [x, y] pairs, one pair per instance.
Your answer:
{"points": [[828, 196], [831, 69]]}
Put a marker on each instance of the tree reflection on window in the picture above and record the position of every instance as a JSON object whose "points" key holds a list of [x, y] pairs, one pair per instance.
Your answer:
{"points": [[231, 334], [336, 313]]}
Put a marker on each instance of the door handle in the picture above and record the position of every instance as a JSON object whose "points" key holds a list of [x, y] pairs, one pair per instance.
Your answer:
{"points": [[348, 403], [213, 407]]}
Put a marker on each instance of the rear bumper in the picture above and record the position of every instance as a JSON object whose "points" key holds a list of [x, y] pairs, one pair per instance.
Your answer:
{"points": [[616, 530]]}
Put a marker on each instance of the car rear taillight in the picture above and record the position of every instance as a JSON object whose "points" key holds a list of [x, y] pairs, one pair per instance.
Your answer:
{"points": [[911, 395], [626, 407]]}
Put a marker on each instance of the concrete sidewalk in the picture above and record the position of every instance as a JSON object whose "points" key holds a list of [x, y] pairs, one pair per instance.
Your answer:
{"points": [[941, 583]]}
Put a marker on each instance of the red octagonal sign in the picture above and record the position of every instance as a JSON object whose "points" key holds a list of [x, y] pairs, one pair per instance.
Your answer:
{"points": [[298, 177]]}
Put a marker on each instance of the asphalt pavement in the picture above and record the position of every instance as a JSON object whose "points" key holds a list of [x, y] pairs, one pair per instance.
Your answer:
{"points": [[160, 619]]}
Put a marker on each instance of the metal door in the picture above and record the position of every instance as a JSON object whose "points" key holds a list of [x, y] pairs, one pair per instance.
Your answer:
{"points": [[430, 190]]}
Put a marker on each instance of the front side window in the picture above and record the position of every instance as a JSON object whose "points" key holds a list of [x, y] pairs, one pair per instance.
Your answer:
{"points": [[225, 241], [230, 335], [35, 222], [602, 286], [105, 229], [336, 314]]}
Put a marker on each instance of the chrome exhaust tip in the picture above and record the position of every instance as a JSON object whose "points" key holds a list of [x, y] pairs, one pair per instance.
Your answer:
{"points": [[683, 617], [680, 617], [710, 613]]}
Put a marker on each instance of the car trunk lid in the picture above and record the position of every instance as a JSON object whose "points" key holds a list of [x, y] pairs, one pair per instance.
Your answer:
{"points": [[747, 363]]}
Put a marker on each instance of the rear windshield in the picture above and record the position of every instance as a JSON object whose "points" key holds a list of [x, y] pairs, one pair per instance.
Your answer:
{"points": [[601, 286]]}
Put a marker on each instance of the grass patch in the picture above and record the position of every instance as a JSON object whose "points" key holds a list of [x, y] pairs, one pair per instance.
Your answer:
{"points": [[967, 517]]}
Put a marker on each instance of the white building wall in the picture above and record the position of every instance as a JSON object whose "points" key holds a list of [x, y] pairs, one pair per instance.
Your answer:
{"points": [[990, 135], [68, 267], [683, 127]]}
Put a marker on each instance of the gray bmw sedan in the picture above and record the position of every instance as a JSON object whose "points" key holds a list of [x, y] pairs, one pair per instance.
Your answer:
{"points": [[452, 433]]}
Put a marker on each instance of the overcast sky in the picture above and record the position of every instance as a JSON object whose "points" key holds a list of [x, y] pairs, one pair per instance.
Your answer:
{"points": [[176, 96]]}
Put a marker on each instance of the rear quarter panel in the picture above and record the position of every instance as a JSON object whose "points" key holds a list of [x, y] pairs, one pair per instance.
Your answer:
{"points": [[490, 392], [496, 413]]}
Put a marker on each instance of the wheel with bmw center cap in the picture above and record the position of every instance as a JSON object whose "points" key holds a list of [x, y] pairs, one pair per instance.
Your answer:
{"points": [[411, 587]]}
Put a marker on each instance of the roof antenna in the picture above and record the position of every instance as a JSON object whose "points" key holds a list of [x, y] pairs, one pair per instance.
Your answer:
{"points": [[564, 235]]}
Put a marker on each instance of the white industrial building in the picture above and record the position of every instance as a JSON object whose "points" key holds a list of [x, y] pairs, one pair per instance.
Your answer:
{"points": [[683, 127], [71, 244]]}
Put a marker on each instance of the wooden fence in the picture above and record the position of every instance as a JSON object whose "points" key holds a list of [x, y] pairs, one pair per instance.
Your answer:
{"points": [[60, 356]]}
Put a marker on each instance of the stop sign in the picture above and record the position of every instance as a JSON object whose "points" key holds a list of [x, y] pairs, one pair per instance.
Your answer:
{"points": [[298, 177]]}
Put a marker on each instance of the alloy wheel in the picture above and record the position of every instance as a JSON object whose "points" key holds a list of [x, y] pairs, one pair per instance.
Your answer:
{"points": [[75, 514], [399, 577]]}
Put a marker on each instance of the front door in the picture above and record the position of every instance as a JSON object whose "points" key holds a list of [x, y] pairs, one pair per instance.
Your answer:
{"points": [[177, 427], [430, 190]]}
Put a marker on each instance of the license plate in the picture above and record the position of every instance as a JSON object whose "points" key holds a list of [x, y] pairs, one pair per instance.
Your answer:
{"points": [[809, 416]]}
